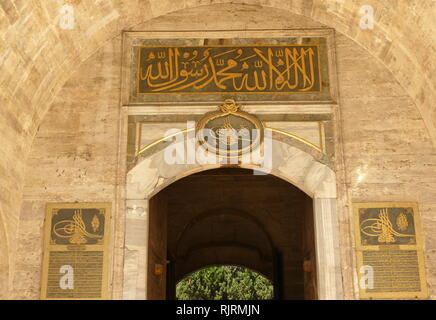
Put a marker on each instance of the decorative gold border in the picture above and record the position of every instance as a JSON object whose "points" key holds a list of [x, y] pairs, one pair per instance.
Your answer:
{"points": [[138, 49], [310, 144], [49, 247], [183, 131], [423, 294]]}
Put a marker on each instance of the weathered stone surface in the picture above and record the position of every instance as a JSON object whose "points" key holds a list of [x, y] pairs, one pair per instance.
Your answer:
{"points": [[386, 86]]}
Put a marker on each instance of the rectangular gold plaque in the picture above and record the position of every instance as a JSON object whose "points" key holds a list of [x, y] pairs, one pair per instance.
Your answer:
{"points": [[284, 66], [229, 68], [75, 251], [388, 242]]}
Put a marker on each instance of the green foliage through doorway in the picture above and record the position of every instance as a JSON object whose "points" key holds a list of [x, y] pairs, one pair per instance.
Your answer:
{"points": [[224, 283]]}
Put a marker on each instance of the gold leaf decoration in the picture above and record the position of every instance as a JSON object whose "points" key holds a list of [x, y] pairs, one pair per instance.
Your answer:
{"points": [[402, 222], [95, 223]]}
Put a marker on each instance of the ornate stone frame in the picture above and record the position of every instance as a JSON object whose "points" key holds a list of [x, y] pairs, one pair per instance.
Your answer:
{"points": [[307, 168], [300, 168]]}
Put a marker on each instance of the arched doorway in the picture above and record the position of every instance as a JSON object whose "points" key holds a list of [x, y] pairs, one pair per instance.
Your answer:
{"points": [[232, 216], [299, 168]]}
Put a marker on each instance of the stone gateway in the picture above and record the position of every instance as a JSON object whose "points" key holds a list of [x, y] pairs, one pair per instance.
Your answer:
{"points": [[144, 141]]}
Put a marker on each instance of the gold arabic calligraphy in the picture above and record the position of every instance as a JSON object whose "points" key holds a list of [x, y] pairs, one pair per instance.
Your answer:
{"points": [[243, 69]]}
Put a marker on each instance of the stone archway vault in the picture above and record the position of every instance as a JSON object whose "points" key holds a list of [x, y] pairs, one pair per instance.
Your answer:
{"points": [[47, 64], [291, 164]]}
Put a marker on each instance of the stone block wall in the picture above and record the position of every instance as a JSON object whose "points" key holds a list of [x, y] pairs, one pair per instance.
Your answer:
{"points": [[71, 153]]}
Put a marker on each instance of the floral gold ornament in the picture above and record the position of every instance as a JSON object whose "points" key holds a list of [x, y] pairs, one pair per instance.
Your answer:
{"points": [[402, 222], [95, 223]]}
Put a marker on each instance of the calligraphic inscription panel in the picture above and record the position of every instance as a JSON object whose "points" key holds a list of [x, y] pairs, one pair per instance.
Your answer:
{"points": [[88, 274], [214, 69], [394, 270], [389, 250], [276, 70], [75, 251]]}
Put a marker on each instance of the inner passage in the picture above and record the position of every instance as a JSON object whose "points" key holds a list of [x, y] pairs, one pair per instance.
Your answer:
{"points": [[232, 217]]}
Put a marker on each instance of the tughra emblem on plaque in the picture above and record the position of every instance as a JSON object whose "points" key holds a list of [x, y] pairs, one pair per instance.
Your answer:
{"points": [[230, 131], [77, 226], [389, 245], [76, 251], [381, 226]]}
